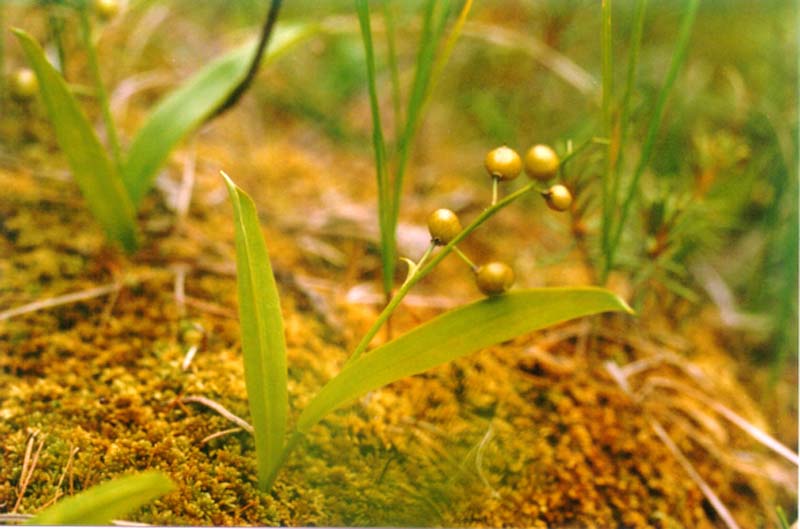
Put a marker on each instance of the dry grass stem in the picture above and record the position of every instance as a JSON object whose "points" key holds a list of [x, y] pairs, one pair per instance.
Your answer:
{"points": [[219, 408], [29, 462], [60, 300]]}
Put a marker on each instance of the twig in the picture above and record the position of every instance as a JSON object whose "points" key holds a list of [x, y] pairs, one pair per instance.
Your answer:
{"points": [[219, 408], [67, 468], [219, 434], [28, 466], [708, 492], [241, 88], [60, 300]]}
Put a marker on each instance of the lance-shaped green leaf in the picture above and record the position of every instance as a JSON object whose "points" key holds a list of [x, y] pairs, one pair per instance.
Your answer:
{"points": [[91, 166], [107, 501], [188, 106], [263, 344], [454, 334]]}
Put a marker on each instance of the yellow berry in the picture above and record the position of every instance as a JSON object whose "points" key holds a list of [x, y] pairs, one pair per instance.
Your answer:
{"points": [[106, 9], [443, 226], [503, 163], [541, 162], [24, 84], [558, 197], [494, 278]]}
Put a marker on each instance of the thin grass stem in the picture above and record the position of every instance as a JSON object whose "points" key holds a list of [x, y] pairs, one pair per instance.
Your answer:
{"points": [[464, 258], [608, 118], [100, 89], [635, 46], [678, 58], [385, 202], [391, 52]]}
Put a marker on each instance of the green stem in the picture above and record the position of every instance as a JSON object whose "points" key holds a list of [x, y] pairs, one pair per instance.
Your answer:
{"points": [[464, 258], [388, 20], [385, 206], [422, 271], [102, 95], [608, 123], [56, 27], [625, 111], [678, 57]]}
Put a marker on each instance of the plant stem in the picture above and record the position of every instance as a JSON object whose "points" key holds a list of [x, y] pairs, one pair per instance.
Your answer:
{"points": [[678, 57], [388, 21], [608, 119], [464, 258], [55, 24], [102, 95], [422, 271], [385, 203], [495, 185], [625, 110]]}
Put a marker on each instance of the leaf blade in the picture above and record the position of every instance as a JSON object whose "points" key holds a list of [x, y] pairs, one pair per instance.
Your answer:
{"points": [[93, 170], [455, 334], [263, 342], [106, 501], [188, 106]]}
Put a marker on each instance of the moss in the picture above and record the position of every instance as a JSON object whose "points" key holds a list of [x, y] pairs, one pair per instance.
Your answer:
{"points": [[502, 438]]}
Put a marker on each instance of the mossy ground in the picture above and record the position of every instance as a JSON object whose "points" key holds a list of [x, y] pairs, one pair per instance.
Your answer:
{"points": [[531, 433]]}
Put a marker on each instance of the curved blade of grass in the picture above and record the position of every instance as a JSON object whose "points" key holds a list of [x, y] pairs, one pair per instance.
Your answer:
{"points": [[91, 166], [263, 344], [188, 106], [454, 334], [107, 501]]}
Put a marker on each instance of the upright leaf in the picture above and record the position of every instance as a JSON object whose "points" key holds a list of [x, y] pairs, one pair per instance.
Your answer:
{"points": [[454, 334], [188, 106], [263, 342], [107, 501], [91, 166]]}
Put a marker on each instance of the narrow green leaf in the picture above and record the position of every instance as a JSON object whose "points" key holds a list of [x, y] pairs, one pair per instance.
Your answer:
{"points": [[91, 166], [455, 334], [107, 501], [385, 223], [263, 344], [188, 106]]}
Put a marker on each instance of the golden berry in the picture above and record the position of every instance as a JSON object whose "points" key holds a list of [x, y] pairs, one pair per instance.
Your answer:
{"points": [[106, 9], [494, 278], [24, 84], [558, 197], [443, 226], [541, 162], [503, 163]]}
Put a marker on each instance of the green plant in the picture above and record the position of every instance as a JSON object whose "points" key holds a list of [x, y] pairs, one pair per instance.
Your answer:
{"points": [[445, 338], [114, 182], [617, 199], [101, 504], [428, 68]]}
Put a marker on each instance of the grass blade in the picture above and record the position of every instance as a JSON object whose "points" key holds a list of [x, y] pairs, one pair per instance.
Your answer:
{"points": [[263, 344], [107, 501], [92, 169], [188, 106], [678, 58], [455, 334], [379, 145]]}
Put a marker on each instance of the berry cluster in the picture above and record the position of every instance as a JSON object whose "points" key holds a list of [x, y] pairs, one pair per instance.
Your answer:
{"points": [[541, 163]]}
